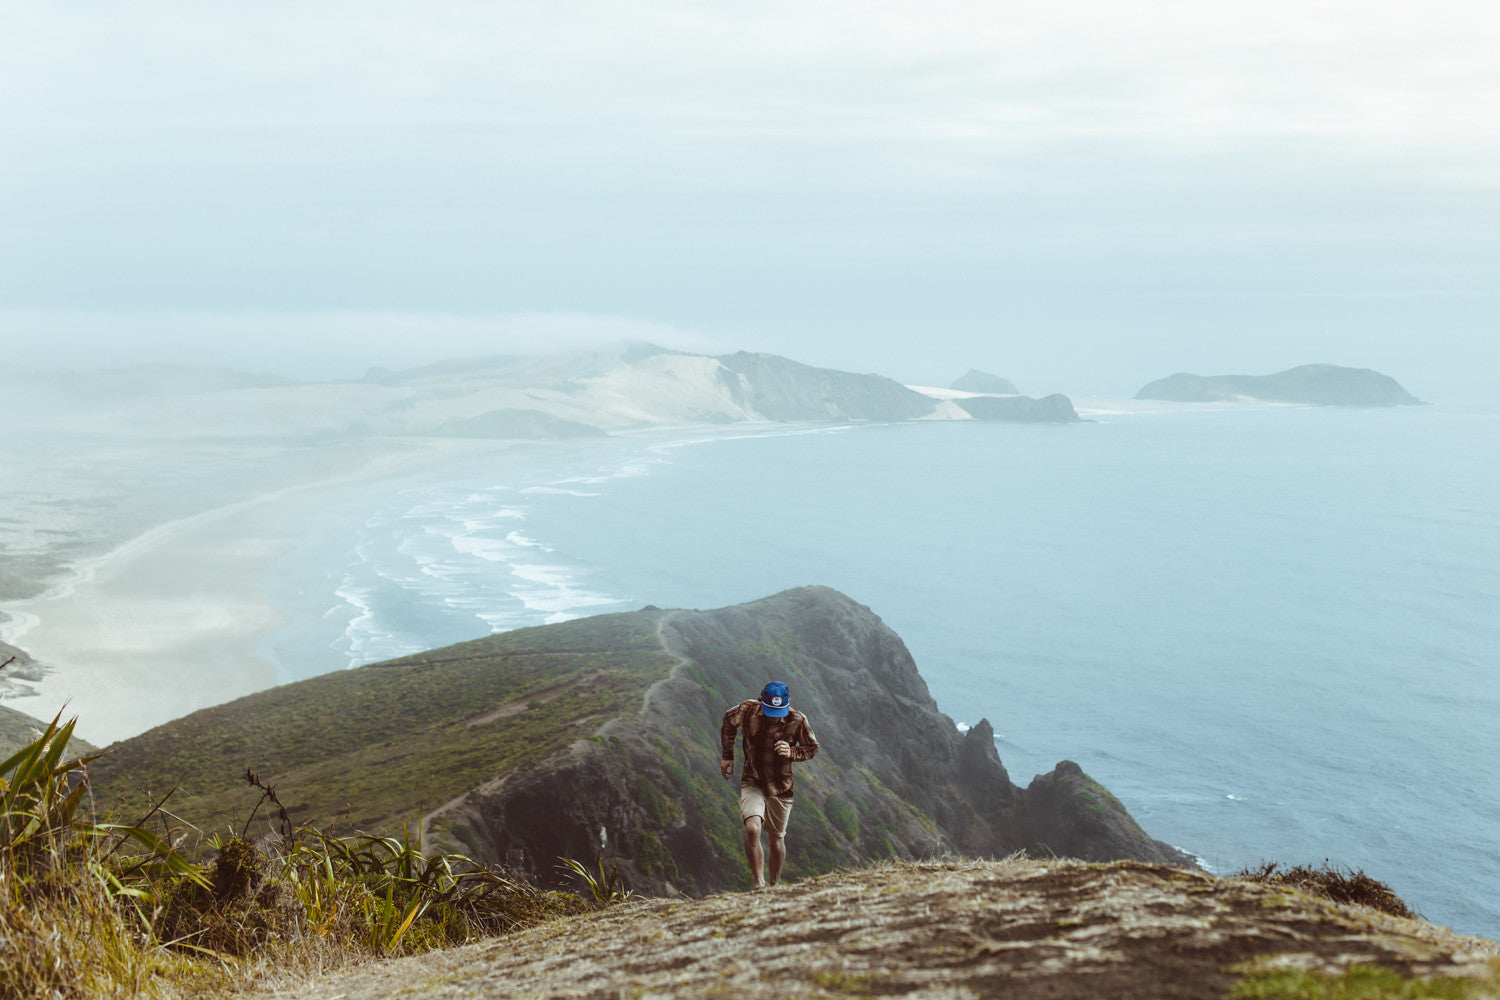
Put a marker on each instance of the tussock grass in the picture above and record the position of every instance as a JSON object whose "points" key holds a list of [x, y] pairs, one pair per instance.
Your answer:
{"points": [[1342, 885], [93, 907]]}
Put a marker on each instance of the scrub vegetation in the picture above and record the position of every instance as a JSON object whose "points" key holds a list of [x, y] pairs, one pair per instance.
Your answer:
{"points": [[1342, 885], [93, 907]]}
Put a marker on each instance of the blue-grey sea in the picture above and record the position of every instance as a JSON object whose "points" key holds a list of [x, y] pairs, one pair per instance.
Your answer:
{"points": [[1273, 633]]}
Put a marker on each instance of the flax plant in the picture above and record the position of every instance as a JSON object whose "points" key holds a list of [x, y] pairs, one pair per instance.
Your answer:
{"points": [[107, 909]]}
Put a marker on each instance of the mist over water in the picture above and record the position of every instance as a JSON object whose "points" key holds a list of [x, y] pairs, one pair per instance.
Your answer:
{"points": [[1270, 632]]}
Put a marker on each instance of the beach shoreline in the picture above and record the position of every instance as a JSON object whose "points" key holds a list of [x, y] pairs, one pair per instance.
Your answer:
{"points": [[171, 620]]}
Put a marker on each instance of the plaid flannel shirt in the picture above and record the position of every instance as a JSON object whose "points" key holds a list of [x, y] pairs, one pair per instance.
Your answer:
{"points": [[763, 768]]}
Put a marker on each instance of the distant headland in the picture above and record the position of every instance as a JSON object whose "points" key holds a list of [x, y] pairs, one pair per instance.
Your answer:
{"points": [[1315, 385]]}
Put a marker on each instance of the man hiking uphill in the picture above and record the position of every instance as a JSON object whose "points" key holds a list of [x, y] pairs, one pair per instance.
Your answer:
{"points": [[776, 736]]}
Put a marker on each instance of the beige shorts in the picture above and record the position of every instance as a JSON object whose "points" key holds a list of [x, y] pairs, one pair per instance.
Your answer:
{"points": [[772, 809]]}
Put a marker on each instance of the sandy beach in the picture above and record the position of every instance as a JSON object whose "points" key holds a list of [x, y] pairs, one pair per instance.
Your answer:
{"points": [[169, 622]]}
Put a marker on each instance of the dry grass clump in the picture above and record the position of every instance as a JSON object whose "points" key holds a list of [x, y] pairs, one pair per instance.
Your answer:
{"points": [[1342, 885], [97, 908]]}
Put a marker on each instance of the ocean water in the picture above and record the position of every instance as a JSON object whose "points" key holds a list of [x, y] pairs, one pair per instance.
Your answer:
{"points": [[1273, 633]]}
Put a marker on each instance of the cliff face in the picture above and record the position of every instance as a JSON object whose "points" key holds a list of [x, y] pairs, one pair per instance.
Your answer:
{"points": [[894, 777], [1318, 385]]}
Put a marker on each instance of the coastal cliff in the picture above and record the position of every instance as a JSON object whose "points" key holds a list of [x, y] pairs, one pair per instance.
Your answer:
{"points": [[1317, 385], [600, 737], [895, 778]]}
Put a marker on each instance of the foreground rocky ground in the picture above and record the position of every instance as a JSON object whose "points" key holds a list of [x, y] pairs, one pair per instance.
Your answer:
{"points": [[1017, 928]]}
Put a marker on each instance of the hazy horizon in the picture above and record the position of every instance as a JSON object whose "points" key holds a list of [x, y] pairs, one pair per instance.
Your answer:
{"points": [[1079, 199]]}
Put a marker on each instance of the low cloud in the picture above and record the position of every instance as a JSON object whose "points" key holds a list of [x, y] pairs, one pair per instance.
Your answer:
{"points": [[332, 344]]}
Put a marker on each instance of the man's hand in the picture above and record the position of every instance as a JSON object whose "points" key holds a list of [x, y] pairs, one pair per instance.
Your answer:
{"points": [[726, 768], [783, 748]]}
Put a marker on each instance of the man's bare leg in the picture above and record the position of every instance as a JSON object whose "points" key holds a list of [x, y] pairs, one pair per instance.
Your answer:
{"points": [[753, 855], [778, 855]]}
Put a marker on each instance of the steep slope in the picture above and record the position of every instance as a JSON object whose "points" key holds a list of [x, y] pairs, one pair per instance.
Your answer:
{"points": [[894, 778], [1319, 385], [369, 746], [950, 930], [601, 737]]}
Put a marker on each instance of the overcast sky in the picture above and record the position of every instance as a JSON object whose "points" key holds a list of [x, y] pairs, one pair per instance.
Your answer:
{"points": [[1080, 196]]}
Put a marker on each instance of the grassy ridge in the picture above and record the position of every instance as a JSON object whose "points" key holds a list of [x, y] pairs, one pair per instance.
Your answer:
{"points": [[368, 745]]}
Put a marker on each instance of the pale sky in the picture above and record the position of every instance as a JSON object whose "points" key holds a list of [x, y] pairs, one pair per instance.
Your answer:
{"points": [[1080, 196]]}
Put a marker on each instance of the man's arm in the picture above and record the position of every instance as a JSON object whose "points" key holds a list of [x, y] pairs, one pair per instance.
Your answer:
{"points": [[804, 743], [727, 730]]}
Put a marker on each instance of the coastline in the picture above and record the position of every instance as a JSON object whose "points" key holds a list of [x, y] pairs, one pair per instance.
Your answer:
{"points": [[171, 620], [147, 626]]}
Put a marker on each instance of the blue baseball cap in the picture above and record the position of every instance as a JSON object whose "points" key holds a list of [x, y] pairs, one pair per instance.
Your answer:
{"points": [[775, 700]]}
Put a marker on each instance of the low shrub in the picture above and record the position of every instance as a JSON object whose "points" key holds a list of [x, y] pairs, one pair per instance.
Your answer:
{"points": [[97, 908], [1342, 885]]}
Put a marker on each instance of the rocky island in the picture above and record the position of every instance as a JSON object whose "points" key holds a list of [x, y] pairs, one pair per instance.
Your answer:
{"points": [[1315, 385]]}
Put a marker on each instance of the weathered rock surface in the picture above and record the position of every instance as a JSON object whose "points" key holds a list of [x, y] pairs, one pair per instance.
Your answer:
{"points": [[1320, 385], [1017, 928], [894, 777]]}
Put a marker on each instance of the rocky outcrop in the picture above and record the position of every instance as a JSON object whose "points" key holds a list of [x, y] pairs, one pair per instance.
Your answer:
{"points": [[1316, 385], [894, 778], [1053, 409], [18, 672], [1018, 928], [975, 380]]}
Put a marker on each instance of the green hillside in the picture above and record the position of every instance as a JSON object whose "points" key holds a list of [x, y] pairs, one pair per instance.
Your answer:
{"points": [[369, 745]]}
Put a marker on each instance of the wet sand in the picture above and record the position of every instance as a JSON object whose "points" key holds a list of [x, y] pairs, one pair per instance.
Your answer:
{"points": [[169, 622]]}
